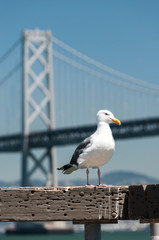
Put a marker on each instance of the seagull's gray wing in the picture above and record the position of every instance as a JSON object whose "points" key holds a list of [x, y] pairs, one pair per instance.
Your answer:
{"points": [[80, 149]]}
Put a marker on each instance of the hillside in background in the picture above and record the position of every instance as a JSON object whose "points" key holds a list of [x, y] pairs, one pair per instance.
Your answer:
{"points": [[114, 178]]}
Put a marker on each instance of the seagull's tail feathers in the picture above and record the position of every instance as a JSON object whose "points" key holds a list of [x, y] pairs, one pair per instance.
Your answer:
{"points": [[68, 168]]}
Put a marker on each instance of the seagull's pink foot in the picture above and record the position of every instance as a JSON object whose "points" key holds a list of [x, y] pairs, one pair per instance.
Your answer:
{"points": [[89, 185], [103, 185]]}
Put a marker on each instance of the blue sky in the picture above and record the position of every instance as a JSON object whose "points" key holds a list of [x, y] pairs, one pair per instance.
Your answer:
{"points": [[123, 34]]}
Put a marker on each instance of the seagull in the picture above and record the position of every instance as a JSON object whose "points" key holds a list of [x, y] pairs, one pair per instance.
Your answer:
{"points": [[96, 150]]}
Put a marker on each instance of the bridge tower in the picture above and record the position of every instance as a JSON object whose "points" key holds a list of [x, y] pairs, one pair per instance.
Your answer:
{"points": [[37, 106]]}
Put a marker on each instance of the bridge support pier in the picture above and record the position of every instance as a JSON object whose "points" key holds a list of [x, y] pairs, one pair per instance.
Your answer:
{"points": [[37, 108], [92, 231], [38, 161]]}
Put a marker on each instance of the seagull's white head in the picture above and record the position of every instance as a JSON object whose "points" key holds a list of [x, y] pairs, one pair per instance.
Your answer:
{"points": [[107, 117]]}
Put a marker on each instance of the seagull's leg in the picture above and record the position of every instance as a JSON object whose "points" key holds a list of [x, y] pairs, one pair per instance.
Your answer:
{"points": [[99, 176], [88, 185], [87, 172], [101, 185]]}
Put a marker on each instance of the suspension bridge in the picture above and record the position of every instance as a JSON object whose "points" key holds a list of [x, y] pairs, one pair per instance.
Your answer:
{"points": [[51, 93]]}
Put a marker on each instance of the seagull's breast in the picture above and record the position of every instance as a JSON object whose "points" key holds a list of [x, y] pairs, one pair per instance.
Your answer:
{"points": [[99, 153]]}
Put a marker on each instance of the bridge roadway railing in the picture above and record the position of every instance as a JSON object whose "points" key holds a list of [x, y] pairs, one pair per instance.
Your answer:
{"points": [[128, 129]]}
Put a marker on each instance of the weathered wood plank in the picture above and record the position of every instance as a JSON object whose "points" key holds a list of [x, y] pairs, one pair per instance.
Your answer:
{"points": [[81, 204], [63, 204], [144, 202]]}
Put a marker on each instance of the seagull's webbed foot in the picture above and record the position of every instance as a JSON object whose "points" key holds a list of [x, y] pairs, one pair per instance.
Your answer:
{"points": [[89, 185], [104, 185]]}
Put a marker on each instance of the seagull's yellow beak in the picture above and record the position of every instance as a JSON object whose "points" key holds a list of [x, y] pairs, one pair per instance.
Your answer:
{"points": [[115, 120]]}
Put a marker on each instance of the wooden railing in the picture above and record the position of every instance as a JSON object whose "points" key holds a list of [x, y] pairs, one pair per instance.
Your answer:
{"points": [[91, 206]]}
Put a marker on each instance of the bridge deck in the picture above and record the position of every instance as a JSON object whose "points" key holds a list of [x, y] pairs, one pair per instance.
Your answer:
{"points": [[128, 129]]}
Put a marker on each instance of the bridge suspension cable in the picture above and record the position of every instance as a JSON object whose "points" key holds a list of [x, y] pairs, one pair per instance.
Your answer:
{"points": [[105, 67], [84, 83], [10, 73], [82, 86], [104, 76], [10, 50]]}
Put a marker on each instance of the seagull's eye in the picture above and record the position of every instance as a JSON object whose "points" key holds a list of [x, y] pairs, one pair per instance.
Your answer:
{"points": [[106, 114]]}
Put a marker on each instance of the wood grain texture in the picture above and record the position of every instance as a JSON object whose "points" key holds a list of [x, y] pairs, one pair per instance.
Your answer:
{"points": [[100, 204], [81, 204]]}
